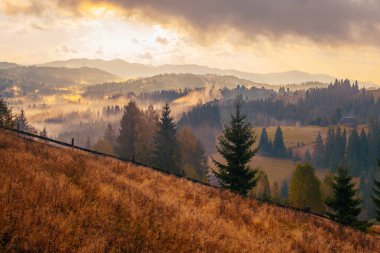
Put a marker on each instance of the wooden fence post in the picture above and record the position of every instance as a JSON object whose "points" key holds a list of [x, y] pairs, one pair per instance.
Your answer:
{"points": [[72, 142]]}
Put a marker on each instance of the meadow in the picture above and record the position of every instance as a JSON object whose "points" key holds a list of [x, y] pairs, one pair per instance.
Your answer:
{"points": [[63, 200]]}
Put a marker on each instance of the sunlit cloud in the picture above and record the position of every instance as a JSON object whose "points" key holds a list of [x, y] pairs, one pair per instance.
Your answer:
{"points": [[336, 37]]}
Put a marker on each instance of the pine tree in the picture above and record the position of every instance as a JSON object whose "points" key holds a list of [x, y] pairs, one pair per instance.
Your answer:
{"points": [[353, 153], [330, 149], [126, 141], [23, 124], [235, 146], [376, 196], [265, 145], [109, 134], [165, 155], [344, 205], [319, 152], [308, 157], [340, 147], [5, 114], [279, 149], [364, 150]]}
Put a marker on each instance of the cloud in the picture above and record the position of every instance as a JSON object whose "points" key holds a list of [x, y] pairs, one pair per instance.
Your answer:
{"points": [[161, 40], [66, 50], [320, 21], [146, 56]]}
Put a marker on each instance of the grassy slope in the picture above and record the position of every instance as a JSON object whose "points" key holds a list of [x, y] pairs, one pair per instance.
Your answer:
{"points": [[54, 199]]}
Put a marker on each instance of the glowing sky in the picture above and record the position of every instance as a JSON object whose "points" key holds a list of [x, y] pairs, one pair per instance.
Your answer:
{"points": [[336, 37]]}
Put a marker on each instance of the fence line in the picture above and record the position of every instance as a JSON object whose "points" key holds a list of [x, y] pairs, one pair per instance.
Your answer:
{"points": [[70, 145]]}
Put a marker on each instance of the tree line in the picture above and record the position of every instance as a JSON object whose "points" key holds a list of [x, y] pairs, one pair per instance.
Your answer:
{"points": [[275, 148], [153, 139]]}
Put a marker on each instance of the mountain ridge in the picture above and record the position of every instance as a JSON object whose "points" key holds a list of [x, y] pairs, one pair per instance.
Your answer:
{"points": [[127, 70]]}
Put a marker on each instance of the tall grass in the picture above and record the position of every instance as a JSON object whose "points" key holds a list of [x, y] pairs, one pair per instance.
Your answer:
{"points": [[54, 199]]}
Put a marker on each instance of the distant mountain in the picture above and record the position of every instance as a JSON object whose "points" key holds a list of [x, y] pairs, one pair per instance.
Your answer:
{"points": [[125, 69], [7, 65], [56, 76]]}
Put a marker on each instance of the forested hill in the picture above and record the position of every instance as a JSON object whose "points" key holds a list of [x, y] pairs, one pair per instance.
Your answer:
{"points": [[56, 199], [21, 76], [168, 82], [317, 106]]}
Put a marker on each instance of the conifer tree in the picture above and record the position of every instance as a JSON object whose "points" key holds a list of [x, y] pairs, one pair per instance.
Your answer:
{"points": [[126, 141], [165, 153], [344, 205], [109, 134], [340, 146], [265, 145], [319, 152], [22, 122], [5, 114], [330, 149], [308, 157], [236, 147], [364, 150], [376, 196], [279, 148], [353, 153]]}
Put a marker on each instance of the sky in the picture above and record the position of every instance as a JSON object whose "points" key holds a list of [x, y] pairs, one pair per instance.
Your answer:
{"points": [[336, 37]]}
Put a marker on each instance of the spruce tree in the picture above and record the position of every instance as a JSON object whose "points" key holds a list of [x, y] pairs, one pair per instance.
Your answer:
{"points": [[279, 148], [265, 145], [308, 157], [364, 150], [236, 147], [376, 196], [319, 152], [353, 153], [330, 149], [126, 141], [165, 153], [344, 205], [5, 114], [109, 134]]}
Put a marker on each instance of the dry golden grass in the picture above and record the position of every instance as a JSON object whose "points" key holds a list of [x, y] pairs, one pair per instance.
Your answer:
{"points": [[54, 199]]}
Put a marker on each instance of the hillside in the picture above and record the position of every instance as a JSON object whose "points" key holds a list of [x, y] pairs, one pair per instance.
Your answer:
{"points": [[55, 199], [168, 82], [126, 69], [56, 76]]}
